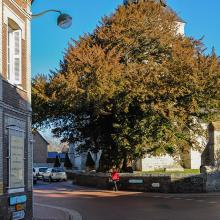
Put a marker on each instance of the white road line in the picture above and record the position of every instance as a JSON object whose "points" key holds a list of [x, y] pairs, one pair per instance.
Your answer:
{"points": [[212, 202], [186, 199]]}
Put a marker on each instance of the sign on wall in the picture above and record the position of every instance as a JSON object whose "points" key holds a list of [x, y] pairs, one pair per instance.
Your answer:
{"points": [[18, 215], [136, 181], [18, 199], [16, 162]]}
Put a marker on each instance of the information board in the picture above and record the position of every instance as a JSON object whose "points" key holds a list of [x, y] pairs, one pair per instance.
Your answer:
{"points": [[16, 162]]}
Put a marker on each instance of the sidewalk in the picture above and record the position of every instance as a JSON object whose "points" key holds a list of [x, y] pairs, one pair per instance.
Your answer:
{"points": [[47, 212]]}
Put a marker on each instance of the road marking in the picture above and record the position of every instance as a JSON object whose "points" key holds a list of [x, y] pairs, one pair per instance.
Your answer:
{"points": [[212, 202], [177, 198], [200, 200], [188, 199]]}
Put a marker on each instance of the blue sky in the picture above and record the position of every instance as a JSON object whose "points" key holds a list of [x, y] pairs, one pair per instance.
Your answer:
{"points": [[49, 41]]}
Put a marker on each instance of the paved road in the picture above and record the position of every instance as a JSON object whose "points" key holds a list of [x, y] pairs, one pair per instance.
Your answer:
{"points": [[108, 205]]}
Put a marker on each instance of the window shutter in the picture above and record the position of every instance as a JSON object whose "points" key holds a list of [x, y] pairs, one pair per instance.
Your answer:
{"points": [[17, 56]]}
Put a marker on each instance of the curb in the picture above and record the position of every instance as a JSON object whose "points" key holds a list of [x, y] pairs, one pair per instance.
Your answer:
{"points": [[70, 214]]}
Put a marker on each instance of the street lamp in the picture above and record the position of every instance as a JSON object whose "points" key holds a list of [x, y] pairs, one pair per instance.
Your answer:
{"points": [[64, 21]]}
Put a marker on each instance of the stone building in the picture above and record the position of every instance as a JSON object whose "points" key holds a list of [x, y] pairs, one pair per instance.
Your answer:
{"points": [[15, 111]]}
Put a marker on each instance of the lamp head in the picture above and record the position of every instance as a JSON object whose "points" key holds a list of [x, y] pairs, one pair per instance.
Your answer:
{"points": [[64, 21]]}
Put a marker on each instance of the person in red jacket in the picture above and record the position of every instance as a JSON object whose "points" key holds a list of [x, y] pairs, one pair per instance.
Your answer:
{"points": [[115, 178]]}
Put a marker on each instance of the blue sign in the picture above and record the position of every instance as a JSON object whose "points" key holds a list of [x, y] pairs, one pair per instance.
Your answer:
{"points": [[136, 181], [18, 215], [18, 199]]}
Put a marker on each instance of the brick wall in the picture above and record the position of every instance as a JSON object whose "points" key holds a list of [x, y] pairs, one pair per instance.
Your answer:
{"points": [[13, 109], [39, 149], [21, 121], [14, 96]]}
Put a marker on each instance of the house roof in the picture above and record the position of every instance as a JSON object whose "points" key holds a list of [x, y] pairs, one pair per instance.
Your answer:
{"points": [[54, 154], [36, 132]]}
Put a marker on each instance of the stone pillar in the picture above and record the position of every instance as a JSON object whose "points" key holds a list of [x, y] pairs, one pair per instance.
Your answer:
{"points": [[1, 151], [28, 76], [211, 154], [1, 50], [1, 109]]}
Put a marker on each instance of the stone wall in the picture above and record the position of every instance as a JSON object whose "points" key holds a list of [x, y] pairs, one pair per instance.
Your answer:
{"points": [[163, 183], [213, 182]]}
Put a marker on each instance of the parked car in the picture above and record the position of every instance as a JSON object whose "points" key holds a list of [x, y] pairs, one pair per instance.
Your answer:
{"points": [[34, 176], [40, 171], [54, 174]]}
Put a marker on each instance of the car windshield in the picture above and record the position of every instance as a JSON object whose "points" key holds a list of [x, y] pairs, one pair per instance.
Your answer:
{"points": [[58, 170], [43, 169]]}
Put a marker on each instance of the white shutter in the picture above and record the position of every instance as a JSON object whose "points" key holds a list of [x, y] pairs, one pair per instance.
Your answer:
{"points": [[10, 53], [17, 56]]}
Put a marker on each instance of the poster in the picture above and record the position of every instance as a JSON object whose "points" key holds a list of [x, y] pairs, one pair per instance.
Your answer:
{"points": [[16, 162]]}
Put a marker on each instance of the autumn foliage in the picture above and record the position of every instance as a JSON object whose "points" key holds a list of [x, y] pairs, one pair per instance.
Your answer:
{"points": [[132, 86]]}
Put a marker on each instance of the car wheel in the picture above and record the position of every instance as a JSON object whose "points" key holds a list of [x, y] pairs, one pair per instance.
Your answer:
{"points": [[43, 179]]}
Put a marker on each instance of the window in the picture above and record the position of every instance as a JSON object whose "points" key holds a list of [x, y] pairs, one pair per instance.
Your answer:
{"points": [[14, 53]]}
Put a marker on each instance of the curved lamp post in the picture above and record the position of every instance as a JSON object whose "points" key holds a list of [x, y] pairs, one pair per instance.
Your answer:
{"points": [[64, 21]]}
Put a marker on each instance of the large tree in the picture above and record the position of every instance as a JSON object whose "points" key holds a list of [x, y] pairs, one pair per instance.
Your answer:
{"points": [[132, 86]]}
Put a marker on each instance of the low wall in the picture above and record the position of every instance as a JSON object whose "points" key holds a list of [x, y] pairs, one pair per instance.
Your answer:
{"points": [[213, 182], [164, 183]]}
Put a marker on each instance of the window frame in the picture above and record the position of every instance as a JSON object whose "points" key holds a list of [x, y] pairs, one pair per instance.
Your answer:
{"points": [[11, 56]]}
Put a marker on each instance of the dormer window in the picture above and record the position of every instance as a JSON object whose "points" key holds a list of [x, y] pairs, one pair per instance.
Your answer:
{"points": [[14, 53]]}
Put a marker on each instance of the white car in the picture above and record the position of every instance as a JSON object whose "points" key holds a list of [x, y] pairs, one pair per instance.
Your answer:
{"points": [[40, 171], [54, 174]]}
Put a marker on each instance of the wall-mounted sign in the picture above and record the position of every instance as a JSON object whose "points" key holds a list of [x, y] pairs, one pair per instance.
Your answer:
{"points": [[18, 199], [136, 181], [16, 162], [18, 215], [19, 207], [156, 185]]}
